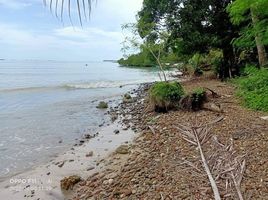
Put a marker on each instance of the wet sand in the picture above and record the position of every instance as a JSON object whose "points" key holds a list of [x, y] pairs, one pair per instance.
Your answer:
{"points": [[83, 160]]}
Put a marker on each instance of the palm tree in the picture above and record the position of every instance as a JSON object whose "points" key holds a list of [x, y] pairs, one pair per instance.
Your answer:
{"points": [[83, 8]]}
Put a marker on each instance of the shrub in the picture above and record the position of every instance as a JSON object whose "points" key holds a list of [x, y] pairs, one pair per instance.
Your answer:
{"points": [[253, 88], [165, 95]]}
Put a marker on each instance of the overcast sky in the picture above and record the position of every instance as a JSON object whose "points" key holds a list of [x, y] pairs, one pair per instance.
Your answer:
{"points": [[28, 30]]}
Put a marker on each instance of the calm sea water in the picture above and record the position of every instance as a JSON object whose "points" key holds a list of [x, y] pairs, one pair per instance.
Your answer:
{"points": [[44, 102]]}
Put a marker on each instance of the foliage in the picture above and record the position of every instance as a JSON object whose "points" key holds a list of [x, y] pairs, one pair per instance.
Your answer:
{"points": [[82, 8], [206, 62], [196, 26], [241, 13], [253, 88], [102, 105], [142, 59], [165, 95]]}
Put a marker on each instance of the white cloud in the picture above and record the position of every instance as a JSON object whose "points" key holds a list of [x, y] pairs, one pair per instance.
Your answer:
{"points": [[99, 38], [64, 42], [14, 4]]}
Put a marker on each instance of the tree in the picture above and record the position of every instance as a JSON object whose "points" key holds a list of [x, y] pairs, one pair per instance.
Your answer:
{"points": [[253, 16], [199, 26], [155, 48]]}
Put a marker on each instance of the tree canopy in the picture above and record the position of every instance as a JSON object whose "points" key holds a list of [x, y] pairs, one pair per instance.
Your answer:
{"points": [[196, 26]]}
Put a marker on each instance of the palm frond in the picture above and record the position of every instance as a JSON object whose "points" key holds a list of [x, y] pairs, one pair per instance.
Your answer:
{"points": [[59, 6]]}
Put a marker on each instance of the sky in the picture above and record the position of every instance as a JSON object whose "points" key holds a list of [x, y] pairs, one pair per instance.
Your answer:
{"points": [[28, 30]]}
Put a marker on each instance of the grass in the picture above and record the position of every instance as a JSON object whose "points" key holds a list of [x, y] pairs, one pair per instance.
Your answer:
{"points": [[166, 95], [253, 88]]}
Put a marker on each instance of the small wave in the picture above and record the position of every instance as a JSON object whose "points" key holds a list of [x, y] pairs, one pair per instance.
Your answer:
{"points": [[73, 86], [101, 84], [27, 89]]}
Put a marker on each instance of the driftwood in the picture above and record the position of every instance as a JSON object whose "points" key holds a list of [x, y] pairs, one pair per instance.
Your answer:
{"points": [[221, 165], [212, 107], [214, 94]]}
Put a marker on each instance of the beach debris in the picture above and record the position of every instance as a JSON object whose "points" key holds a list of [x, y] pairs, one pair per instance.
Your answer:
{"points": [[127, 99], [90, 168], [264, 118], [123, 149], [69, 182], [61, 164], [114, 117], [213, 107], [90, 154], [222, 166], [102, 105]]}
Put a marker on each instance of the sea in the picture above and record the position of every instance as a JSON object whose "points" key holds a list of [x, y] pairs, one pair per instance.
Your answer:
{"points": [[46, 105]]}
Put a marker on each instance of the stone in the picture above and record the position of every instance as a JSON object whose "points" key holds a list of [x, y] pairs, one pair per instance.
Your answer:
{"points": [[123, 149], [90, 168], [90, 154], [69, 182], [264, 118], [116, 131], [102, 105], [61, 164], [127, 99], [212, 107]]}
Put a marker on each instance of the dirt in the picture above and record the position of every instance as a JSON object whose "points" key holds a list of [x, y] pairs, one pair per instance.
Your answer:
{"points": [[153, 167]]}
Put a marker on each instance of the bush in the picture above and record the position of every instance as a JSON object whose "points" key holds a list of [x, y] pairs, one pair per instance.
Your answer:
{"points": [[206, 62], [165, 95], [253, 88]]}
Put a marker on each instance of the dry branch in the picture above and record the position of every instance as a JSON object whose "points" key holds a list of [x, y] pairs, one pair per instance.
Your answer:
{"points": [[222, 166]]}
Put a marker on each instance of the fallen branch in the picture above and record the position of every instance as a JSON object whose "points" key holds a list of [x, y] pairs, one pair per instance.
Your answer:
{"points": [[222, 166], [214, 94]]}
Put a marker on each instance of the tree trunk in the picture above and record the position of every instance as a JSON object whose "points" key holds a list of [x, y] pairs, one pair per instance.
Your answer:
{"points": [[263, 60]]}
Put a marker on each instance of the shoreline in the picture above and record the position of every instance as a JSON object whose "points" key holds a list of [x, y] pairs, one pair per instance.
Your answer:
{"points": [[157, 165], [84, 159], [152, 163]]}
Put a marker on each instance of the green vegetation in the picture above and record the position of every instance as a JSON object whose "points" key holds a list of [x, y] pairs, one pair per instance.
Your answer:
{"points": [[253, 88], [102, 105], [165, 95], [206, 35]]}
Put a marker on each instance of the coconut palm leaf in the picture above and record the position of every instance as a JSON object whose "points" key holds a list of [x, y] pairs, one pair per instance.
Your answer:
{"points": [[83, 7]]}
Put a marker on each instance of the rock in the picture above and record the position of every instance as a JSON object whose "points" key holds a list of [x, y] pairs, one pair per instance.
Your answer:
{"points": [[90, 168], [123, 149], [69, 182], [90, 154], [102, 105], [238, 135], [127, 99], [116, 131], [212, 107], [88, 136], [114, 117], [127, 96], [264, 118], [61, 164]]}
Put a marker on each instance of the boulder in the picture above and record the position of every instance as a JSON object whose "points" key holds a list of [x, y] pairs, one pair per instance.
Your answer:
{"points": [[69, 182], [123, 149], [128, 99]]}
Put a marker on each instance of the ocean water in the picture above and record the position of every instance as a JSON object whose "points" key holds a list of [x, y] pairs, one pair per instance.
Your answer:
{"points": [[44, 102]]}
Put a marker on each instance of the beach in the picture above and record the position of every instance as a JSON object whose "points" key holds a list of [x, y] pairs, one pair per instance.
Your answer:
{"points": [[162, 165], [142, 155]]}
